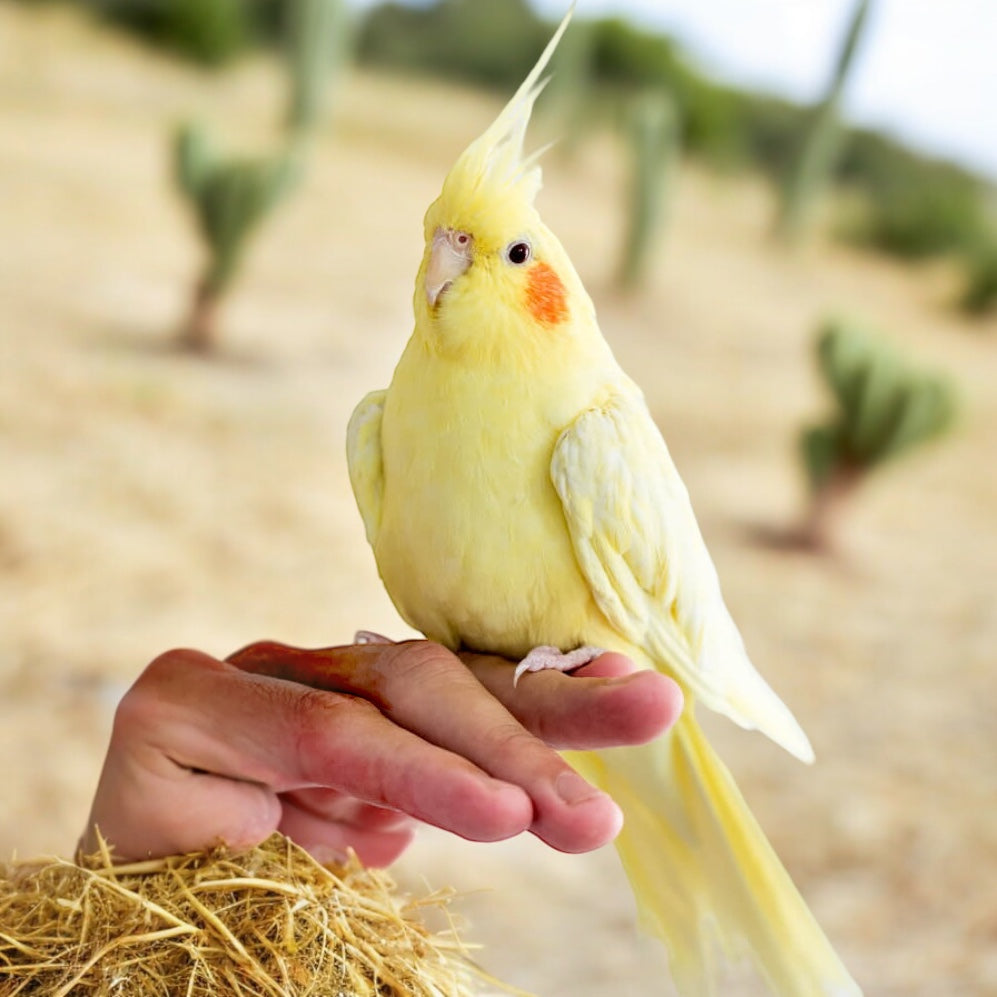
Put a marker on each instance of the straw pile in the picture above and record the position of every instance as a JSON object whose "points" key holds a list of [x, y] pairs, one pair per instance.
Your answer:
{"points": [[270, 921]]}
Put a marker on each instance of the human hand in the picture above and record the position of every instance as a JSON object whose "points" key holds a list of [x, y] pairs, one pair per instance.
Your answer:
{"points": [[349, 747]]}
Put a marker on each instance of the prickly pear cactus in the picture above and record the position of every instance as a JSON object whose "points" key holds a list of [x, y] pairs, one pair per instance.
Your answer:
{"points": [[884, 407], [229, 197]]}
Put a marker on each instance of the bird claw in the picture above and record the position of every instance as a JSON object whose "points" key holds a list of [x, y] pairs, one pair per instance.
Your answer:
{"points": [[369, 637], [546, 658]]}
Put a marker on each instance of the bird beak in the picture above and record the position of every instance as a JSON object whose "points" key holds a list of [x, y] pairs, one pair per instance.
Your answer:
{"points": [[449, 257]]}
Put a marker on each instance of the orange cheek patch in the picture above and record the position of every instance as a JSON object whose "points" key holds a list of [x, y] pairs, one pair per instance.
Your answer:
{"points": [[545, 295]]}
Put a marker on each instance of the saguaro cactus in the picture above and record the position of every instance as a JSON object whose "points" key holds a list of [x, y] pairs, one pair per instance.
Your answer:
{"points": [[980, 294], [654, 143], [884, 408], [230, 196], [812, 170], [318, 41]]}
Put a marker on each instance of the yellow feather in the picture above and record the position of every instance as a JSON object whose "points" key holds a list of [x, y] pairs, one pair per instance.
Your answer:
{"points": [[516, 493], [705, 877], [491, 174]]}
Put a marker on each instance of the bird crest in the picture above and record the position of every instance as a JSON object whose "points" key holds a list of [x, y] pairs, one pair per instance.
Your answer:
{"points": [[493, 169]]}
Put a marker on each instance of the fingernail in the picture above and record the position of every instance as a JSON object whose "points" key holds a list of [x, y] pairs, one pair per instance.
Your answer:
{"points": [[573, 789]]}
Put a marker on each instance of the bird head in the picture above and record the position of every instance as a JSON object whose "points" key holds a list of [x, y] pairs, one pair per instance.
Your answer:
{"points": [[492, 273]]}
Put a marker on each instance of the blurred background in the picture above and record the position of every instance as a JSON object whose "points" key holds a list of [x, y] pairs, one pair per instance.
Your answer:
{"points": [[785, 213]]}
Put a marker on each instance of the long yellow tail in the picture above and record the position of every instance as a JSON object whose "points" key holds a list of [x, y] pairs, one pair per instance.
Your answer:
{"points": [[704, 873]]}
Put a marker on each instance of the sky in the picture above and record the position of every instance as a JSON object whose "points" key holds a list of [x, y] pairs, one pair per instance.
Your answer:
{"points": [[926, 73]]}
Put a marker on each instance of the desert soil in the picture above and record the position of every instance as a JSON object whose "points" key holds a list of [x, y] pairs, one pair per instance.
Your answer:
{"points": [[150, 499]]}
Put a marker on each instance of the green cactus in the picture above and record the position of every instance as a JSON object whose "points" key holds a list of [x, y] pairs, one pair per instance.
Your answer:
{"points": [[653, 135], [646, 112], [318, 41], [811, 174], [884, 408], [231, 196], [979, 296]]}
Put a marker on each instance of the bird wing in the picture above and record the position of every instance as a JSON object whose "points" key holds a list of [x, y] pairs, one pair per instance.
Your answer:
{"points": [[638, 544], [363, 457]]}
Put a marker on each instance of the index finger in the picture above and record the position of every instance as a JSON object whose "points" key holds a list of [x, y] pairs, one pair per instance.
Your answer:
{"points": [[607, 703]]}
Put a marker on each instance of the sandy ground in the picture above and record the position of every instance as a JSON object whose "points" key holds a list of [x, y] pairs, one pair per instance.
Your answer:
{"points": [[149, 499]]}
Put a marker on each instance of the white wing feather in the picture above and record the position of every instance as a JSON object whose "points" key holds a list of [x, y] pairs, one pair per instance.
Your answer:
{"points": [[638, 544]]}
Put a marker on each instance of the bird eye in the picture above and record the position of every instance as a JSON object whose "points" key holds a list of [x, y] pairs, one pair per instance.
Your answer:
{"points": [[518, 252]]}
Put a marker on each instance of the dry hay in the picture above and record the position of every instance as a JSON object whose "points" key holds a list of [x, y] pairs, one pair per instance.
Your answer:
{"points": [[271, 921]]}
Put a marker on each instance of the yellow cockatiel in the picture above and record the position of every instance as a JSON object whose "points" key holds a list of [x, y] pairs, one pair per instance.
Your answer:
{"points": [[517, 494]]}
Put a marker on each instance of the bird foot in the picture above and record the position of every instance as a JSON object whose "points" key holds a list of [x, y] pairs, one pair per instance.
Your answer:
{"points": [[369, 637], [544, 658]]}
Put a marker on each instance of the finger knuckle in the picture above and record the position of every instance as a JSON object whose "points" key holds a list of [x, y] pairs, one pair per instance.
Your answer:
{"points": [[160, 683], [325, 725], [172, 667], [318, 709], [513, 739], [421, 661]]}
